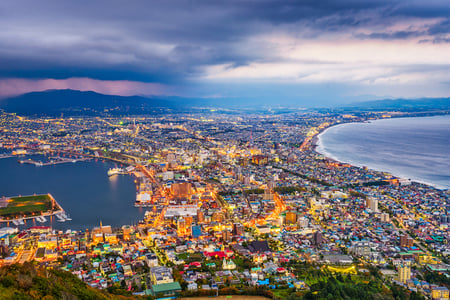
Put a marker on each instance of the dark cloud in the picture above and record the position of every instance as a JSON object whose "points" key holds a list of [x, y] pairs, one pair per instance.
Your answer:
{"points": [[397, 35], [167, 41]]}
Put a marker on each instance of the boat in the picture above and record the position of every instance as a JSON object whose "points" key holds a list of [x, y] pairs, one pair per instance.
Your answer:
{"points": [[41, 219], [66, 217], [114, 171], [60, 218]]}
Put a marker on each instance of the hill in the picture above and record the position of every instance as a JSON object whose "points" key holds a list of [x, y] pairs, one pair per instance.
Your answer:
{"points": [[71, 102], [30, 282]]}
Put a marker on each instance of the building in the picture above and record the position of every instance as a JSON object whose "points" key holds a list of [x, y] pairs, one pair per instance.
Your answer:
{"points": [[126, 232], [226, 235], [196, 231], [440, 293], [372, 204], [181, 226], [291, 217], [181, 190], [384, 217], [406, 241], [317, 238], [217, 217], [151, 259], [200, 216], [159, 275], [302, 222], [165, 290], [361, 248], [238, 229], [228, 264], [404, 272], [260, 159]]}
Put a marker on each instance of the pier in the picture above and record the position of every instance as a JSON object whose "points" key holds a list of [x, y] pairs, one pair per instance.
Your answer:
{"points": [[53, 161]]}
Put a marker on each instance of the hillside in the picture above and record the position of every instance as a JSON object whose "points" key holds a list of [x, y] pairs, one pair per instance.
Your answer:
{"points": [[71, 102], [30, 282]]}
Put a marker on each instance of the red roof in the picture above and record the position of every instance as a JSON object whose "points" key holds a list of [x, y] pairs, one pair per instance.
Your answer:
{"points": [[220, 254]]}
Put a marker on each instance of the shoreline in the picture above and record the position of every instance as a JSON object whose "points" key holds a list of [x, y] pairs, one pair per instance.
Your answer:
{"points": [[316, 144]]}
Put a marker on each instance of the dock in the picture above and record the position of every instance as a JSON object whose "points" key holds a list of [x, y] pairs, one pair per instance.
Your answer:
{"points": [[53, 161]]}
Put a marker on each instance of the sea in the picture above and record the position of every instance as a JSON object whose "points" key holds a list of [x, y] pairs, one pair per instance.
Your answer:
{"points": [[412, 148], [83, 189]]}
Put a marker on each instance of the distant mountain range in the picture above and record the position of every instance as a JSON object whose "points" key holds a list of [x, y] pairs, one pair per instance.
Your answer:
{"points": [[72, 103], [403, 104]]}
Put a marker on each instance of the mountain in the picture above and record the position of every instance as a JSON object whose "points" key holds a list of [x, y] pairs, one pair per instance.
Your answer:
{"points": [[71, 102], [422, 104]]}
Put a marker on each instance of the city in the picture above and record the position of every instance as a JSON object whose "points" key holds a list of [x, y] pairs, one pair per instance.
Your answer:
{"points": [[234, 204]]}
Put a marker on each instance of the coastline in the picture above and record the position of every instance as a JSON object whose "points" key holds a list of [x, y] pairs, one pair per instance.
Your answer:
{"points": [[317, 147]]}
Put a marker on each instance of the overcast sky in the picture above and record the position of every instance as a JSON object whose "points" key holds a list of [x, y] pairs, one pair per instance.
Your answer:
{"points": [[304, 53]]}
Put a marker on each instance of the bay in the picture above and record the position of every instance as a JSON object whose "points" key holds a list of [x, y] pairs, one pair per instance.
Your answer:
{"points": [[83, 189], [411, 148]]}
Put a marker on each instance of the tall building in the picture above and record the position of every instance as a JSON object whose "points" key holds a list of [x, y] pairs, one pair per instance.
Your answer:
{"points": [[181, 226], [406, 241], [200, 216], [126, 232], [291, 217], [372, 204], [238, 229], [226, 235], [302, 222], [384, 217], [404, 272], [196, 231], [317, 238]]}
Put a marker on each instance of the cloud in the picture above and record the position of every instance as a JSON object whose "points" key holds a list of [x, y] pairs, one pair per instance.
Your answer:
{"points": [[177, 42], [15, 86]]}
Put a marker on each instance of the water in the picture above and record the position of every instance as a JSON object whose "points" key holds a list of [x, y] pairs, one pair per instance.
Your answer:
{"points": [[412, 148], [83, 189]]}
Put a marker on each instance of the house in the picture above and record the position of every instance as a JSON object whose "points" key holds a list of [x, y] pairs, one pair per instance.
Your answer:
{"points": [[192, 286], [160, 275], [127, 271], [151, 259]]}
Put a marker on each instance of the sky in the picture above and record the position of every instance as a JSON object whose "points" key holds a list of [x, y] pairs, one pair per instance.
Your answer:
{"points": [[296, 53]]}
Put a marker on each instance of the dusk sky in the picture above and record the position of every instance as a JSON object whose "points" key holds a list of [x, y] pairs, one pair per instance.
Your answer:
{"points": [[304, 53]]}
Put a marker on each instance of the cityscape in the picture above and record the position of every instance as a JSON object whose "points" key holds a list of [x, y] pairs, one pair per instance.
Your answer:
{"points": [[233, 203]]}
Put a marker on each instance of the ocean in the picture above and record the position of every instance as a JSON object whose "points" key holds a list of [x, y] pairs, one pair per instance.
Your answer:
{"points": [[411, 148], [83, 189]]}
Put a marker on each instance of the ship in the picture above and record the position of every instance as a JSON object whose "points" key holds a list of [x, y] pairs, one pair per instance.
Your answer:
{"points": [[41, 219], [114, 171], [62, 217]]}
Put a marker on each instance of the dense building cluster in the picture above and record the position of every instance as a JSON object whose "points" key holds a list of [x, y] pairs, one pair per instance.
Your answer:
{"points": [[234, 200]]}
